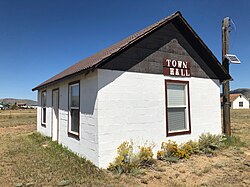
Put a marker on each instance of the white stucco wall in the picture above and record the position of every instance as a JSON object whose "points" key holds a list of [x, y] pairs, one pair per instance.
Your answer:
{"points": [[132, 106], [87, 146], [235, 104]]}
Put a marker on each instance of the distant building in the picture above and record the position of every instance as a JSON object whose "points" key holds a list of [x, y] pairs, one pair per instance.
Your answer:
{"points": [[238, 101], [21, 105], [1, 107]]}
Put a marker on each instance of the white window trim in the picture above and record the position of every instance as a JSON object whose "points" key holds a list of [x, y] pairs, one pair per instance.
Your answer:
{"points": [[42, 107], [43, 115], [74, 108]]}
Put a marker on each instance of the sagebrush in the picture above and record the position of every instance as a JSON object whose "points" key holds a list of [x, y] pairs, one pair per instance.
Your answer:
{"points": [[129, 161], [208, 143], [170, 151]]}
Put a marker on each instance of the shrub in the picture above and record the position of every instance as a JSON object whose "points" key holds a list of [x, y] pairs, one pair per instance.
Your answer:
{"points": [[209, 142], [192, 147], [170, 147], [124, 162], [161, 155], [129, 162], [171, 151], [185, 151], [232, 141], [146, 156]]}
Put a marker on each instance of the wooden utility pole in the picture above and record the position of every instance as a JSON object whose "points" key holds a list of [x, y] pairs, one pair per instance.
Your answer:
{"points": [[225, 85]]}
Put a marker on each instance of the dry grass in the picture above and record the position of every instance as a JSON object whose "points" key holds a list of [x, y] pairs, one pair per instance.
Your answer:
{"points": [[27, 158], [241, 124], [34, 159], [12, 118]]}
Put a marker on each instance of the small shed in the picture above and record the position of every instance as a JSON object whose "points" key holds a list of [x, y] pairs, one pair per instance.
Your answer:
{"points": [[161, 83], [239, 101]]}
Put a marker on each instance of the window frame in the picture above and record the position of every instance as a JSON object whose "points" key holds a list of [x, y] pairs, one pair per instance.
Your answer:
{"points": [[241, 104], [70, 132], [187, 95], [58, 122], [43, 124]]}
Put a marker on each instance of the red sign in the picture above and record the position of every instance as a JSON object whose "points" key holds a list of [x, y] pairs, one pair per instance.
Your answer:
{"points": [[176, 68]]}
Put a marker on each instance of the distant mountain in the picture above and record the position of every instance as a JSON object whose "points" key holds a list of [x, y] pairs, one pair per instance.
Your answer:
{"points": [[243, 91], [12, 101]]}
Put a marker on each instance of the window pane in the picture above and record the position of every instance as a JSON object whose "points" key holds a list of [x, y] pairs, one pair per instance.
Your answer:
{"points": [[74, 120], [44, 115], [176, 119], [240, 104], [176, 95], [74, 91], [43, 99]]}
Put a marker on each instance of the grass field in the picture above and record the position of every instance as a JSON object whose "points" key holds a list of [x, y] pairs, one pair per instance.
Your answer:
{"points": [[28, 159], [241, 124], [12, 118]]}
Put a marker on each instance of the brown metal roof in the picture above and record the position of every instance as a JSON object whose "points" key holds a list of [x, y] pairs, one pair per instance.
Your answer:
{"points": [[96, 59], [233, 97]]}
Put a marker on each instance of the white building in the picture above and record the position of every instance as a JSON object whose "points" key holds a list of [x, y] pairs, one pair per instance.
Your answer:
{"points": [[152, 86], [239, 101]]}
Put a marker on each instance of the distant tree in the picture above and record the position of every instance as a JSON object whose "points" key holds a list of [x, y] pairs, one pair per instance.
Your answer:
{"points": [[14, 107]]}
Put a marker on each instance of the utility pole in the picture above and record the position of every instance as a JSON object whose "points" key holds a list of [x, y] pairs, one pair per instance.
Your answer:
{"points": [[225, 85]]}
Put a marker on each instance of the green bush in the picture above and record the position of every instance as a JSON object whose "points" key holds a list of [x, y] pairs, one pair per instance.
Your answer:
{"points": [[129, 162], [210, 142], [233, 141]]}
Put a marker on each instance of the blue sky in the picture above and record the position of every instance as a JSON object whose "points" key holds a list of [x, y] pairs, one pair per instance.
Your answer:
{"points": [[39, 38]]}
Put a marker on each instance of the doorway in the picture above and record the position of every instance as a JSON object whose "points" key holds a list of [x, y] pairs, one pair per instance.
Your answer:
{"points": [[55, 114]]}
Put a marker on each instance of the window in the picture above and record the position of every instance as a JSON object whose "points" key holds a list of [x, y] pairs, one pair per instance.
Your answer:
{"points": [[241, 104], [74, 108], [177, 108], [43, 107]]}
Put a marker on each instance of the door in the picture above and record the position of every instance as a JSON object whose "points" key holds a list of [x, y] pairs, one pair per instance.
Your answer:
{"points": [[55, 114]]}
